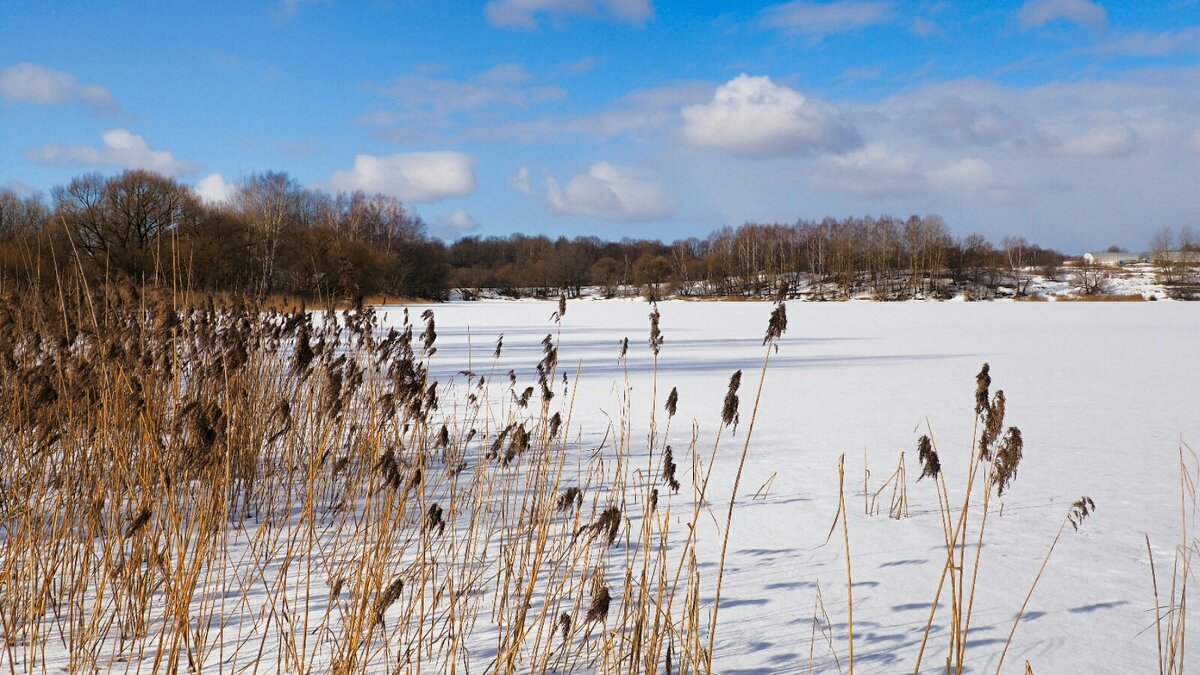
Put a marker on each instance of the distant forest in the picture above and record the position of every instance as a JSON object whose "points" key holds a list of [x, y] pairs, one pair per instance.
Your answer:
{"points": [[275, 237]]}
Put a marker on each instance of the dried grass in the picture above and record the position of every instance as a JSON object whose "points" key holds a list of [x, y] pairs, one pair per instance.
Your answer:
{"points": [[217, 483]]}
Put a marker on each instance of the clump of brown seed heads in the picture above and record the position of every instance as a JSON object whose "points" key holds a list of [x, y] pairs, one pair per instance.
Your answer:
{"points": [[656, 338], [729, 410], [931, 465]]}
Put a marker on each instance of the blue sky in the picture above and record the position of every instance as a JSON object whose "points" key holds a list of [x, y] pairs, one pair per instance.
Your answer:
{"points": [[1072, 122]]}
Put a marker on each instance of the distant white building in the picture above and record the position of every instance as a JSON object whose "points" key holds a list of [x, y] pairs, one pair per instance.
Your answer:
{"points": [[1118, 258]]}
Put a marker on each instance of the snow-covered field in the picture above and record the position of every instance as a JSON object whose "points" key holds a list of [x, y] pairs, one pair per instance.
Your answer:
{"points": [[1104, 394]]}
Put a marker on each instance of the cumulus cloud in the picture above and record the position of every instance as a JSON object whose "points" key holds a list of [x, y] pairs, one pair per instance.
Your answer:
{"points": [[1116, 140], [213, 189], [610, 193], [411, 177], [121, 149], [817, 19], [1038, 13], [525, 13], [32, 83], [455, 224], [754, 117]]}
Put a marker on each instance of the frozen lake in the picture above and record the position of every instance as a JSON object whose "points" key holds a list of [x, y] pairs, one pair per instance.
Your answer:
{"points": [[1103, 393]]}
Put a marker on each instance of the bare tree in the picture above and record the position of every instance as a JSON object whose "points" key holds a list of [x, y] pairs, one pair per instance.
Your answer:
{"points": [[119, 223], [266, 200], [1016, 252], [1091, 278], [19, 215]]}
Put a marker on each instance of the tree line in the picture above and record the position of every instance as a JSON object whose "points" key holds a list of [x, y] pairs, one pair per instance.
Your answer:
{"points": [[886, 257], [273, 236]]}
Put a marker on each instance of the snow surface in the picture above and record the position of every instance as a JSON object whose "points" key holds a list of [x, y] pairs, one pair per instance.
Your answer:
{"points": [[1104, 393]]}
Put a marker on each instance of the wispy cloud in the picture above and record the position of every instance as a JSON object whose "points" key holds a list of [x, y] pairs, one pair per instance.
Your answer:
{"points": [[420, 96], [33, 83], [640, 113], [861, 74], [817, 19], [1038, 13], [1152, 43], [19, 188], [121, 149], [580, 66], [526, 13]]}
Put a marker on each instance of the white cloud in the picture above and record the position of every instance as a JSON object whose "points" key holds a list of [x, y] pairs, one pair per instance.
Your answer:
{"points": [[987, 155], [121, 149], [411, 177], [505, 73], [455, 224], [520, 181], [1038, 13], [1115, 140], [817, 19], [754, 117], [610, 193], [213, 189], [32, 83], [460, 220], [524, 13]]}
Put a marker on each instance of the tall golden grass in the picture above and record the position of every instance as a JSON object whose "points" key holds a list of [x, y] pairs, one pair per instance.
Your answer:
{"points": [[226, 486]]}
